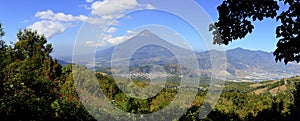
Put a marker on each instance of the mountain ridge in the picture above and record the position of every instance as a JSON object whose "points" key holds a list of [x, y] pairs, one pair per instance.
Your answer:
{"points": [[242, 64]]}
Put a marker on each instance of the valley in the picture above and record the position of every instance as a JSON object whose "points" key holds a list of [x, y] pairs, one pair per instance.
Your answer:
{"points": [[241, 65]]}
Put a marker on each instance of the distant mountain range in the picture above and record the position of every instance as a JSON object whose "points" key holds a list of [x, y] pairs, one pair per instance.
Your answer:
{"points": [[242, 64]]}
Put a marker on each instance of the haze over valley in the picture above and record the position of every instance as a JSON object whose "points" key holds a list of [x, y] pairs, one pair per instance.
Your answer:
{"points": [[242, 64]]}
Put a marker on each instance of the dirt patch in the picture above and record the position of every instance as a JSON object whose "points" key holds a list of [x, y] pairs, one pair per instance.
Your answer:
{"points": [[259, 91], [275, 90]]}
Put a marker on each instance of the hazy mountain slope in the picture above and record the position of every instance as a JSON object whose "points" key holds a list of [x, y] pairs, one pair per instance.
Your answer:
{"points": [[241, 64]]}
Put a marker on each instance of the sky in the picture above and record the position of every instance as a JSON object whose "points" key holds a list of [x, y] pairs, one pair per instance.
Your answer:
{"points": [[104, 23]]}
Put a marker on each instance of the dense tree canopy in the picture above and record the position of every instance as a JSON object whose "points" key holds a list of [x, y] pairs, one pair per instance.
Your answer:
{"points": [[27, 80], [33, 85], [236, 18]]}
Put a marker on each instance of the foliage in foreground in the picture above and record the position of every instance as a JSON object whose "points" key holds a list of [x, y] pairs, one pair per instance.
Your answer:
{"points": [[33, 86], [236, 19]]}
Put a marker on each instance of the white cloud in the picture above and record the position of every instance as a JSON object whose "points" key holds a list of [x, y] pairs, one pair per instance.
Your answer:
{"points": [[111, 7], [49, 28], [44, 14], [117, 40], [96, 21], [51, 23], [185, 43], [109, 40], [108, 11], [90, 43], [104, 14], [165, 35], [111, 30], [89, 1], [130, 32], [50, 15], [149, 6]]}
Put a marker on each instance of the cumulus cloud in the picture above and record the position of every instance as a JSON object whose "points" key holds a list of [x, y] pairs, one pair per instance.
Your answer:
{"points": [[49, 28], [111, 30], [111, 7], [108, 40], [89, 1], [50, 15], [130, 32], [117, 40], [104, 13], [108, 11], [50, 23], [111, 40]]}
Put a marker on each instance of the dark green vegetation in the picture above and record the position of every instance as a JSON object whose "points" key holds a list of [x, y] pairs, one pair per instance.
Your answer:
{"points": [[239, 101], [236, 18], [34, 86]]}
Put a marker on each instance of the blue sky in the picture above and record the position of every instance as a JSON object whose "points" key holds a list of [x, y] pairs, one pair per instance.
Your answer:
{"points": [[62, 20]]}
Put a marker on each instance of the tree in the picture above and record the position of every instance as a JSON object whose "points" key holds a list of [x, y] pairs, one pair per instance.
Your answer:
{"points": [[32, 45], [3, 48], [28, 85], [236, 17], [295, 108], [68, 105], [1, 30], [33, 85]]}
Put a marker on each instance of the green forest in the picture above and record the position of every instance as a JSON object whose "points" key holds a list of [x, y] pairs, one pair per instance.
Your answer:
{"points": [[34, 86]]}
